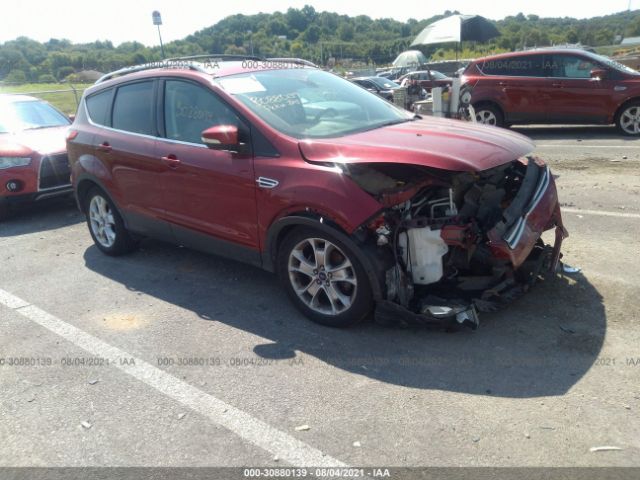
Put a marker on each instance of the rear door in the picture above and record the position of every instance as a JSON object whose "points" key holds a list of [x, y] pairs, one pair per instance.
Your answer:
{"points": [[127, 147], [209, 194], [517, 84], [573, 96]]}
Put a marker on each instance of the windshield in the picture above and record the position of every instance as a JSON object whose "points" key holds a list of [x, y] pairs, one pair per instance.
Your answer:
{"points": [[612, 63], [309, 103], [29, 115]]}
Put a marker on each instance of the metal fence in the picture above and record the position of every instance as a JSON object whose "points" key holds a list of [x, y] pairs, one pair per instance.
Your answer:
{"points": [[65, 99]]}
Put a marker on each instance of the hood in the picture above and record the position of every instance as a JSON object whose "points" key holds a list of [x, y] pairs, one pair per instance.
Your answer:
{"points": [[430, 142], [44, 141]]}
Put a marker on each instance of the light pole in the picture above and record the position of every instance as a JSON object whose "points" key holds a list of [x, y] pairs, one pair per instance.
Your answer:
{"points": [[250, 40], [157, 20]]}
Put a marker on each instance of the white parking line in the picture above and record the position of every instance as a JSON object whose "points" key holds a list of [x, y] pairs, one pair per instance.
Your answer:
{"points": [[601, 212], [249, 428]]}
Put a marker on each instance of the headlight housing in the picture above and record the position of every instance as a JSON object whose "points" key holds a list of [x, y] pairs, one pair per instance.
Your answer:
{"points": [[10, 162]]}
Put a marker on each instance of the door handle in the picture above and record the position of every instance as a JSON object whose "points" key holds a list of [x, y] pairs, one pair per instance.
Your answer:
{"points": [[171, 160], [557, 85], [105, 147], [503, 84]]}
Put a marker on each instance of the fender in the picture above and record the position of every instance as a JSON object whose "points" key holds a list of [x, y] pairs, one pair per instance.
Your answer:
{"points": [[372, 265]]}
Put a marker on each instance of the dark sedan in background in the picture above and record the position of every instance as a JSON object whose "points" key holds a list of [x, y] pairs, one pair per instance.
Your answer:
{"points": [[379, 85]]}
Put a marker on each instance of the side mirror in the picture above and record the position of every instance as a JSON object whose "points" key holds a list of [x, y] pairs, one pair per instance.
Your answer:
{"points": [[221, 137], [598, 73], [72, 117]]}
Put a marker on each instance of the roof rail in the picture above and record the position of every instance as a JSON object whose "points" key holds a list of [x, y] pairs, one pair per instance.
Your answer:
{"points": [[147, 66], [300, 61], [221, 56]]}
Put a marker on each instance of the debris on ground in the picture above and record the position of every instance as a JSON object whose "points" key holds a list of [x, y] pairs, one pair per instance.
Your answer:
{"points": [[94, 381], [181, 416], [357, 444], [303, 428], [605, 448], [86, 425]]}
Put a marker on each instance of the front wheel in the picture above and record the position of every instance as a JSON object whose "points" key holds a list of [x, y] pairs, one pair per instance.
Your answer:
{"points": [[106, 226], [324, 278], [628, 120]]}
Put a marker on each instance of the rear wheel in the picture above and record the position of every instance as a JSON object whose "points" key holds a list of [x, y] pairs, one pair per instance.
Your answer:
{"points": [[487, 114], [628, 120], [324, 278], [106, 226]]}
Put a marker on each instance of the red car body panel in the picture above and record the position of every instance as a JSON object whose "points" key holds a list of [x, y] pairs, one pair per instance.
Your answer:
{"points": [[35, 144], [431, 142]]}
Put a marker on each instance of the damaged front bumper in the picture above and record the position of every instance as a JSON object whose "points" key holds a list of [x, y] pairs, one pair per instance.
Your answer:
{"points": [[517, 252]]}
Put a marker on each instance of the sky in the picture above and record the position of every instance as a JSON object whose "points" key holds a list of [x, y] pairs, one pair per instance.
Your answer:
{"points": [[84, 21]]}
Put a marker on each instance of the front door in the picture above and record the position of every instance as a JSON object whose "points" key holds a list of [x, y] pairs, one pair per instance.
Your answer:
{"points": [[573, 95], [209, 194]]}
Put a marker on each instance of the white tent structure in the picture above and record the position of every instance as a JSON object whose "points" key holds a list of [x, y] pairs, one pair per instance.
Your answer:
{"points": [[410, 58]]}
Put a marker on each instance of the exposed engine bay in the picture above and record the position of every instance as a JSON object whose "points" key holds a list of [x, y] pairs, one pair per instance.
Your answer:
{"points": [[459, 243]]}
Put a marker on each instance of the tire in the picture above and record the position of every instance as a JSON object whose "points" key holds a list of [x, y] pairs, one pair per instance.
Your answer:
{"points": [[4, 209], [487, 114], [310, 278], [628, 120], [105, 224]]}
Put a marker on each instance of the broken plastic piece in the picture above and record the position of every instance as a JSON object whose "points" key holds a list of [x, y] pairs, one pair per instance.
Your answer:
{"points": [[569, 269]]}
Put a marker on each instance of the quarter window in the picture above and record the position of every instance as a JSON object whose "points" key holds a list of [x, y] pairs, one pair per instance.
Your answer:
{"points": [[133, 108], [189, 109], [98, 106]]}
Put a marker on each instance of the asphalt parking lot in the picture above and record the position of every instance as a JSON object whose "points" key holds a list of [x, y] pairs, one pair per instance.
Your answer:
{"points": [[210, 365]]}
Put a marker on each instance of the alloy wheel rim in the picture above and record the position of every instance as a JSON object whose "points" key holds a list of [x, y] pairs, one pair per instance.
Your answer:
{"points": [[322, 276], [630, 120], [102, 222], [486, 117]]}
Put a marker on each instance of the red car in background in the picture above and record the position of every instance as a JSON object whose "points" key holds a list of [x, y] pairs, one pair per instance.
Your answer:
{"points": [[554, 86], [428, 79], [33, 155], [357, 205]]}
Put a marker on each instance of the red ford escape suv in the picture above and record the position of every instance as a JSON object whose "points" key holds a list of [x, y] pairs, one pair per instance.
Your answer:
{"points": [[33, 158], [358, 206], [554, 86]]}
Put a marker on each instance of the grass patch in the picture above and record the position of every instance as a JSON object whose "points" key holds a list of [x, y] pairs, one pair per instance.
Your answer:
{"points": [[64, 101]]}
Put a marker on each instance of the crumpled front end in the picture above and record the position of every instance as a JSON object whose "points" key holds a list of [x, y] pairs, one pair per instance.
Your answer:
{"points": [[459, 243]]}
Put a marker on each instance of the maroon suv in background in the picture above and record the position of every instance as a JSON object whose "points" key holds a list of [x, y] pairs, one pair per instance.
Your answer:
{"points": [[560, 86], [355, 203]]}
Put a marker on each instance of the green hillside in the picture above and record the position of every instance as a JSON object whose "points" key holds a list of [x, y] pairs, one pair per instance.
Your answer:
{"points": [[307, 33]]}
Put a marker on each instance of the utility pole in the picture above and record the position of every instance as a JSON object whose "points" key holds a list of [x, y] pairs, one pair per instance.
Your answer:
{"points": [[157, 20]]}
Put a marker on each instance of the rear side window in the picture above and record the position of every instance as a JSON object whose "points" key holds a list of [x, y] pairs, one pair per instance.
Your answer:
{"points": [[133, 108], [522, 66], [98, 106]]}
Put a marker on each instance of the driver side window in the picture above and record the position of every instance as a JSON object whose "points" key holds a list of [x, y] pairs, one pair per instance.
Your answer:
{"points": [[189, 109]]}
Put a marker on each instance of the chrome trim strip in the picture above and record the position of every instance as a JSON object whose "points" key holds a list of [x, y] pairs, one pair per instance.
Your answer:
{"points": [[126, 132], [515, 234]]}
